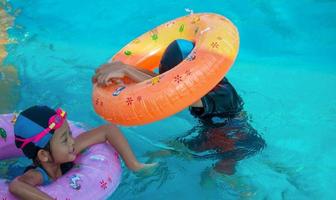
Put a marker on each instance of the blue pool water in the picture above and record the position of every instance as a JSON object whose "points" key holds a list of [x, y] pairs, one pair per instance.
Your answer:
{"points": [[285, 72]]}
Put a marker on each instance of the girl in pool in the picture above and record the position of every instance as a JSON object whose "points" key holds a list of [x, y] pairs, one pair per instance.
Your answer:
{"points": [[44, 136], [223, 132]]}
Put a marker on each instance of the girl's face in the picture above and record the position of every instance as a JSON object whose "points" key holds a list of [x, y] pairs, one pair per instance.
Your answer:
{"points": [[62, 145]]}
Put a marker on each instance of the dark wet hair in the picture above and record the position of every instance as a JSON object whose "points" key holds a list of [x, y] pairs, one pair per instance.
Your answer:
{"points": [[175, 53], [39, 117]]}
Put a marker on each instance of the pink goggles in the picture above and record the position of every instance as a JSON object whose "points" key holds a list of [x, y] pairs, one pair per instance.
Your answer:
{"points": [[55, 122]]}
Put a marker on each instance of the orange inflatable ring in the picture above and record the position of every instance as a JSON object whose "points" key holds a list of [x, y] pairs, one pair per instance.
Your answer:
{"points": [[216, 46]]}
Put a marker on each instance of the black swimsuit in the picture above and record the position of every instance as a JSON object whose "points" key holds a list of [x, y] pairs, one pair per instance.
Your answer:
{"points": [[223, 131]]}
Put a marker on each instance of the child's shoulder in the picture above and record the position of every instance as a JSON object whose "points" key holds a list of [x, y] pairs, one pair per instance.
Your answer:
{"points": [[32, 177]]}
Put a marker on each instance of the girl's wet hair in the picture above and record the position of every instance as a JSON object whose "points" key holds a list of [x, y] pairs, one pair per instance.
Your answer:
{"points": [[40, 116], [175, 53]]}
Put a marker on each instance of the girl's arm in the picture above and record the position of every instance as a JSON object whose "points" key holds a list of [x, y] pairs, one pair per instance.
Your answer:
{"points": [[118, 70], [112, 134], [23, 187], [139, 75]]}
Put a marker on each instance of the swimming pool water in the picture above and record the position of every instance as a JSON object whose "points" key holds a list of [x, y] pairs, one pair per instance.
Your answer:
{"points": [[285, 72]]}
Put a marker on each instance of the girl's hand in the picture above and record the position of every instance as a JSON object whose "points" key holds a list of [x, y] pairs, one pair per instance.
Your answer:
{"points": [[113, 72], [108, 73]]}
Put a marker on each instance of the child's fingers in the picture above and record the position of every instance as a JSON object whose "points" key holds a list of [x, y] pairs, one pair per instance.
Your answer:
{"points": [[106, 79], [97, 74], [101, 80], [96, 77]]}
